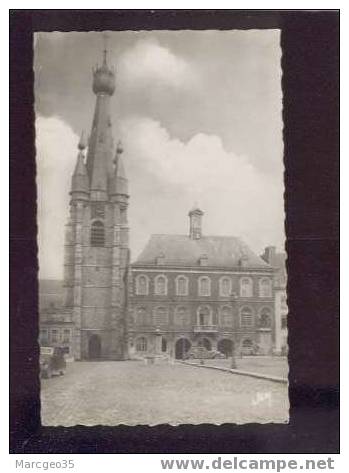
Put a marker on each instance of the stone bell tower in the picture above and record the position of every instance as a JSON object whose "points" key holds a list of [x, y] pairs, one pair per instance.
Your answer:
{"points": [[96, 247]]}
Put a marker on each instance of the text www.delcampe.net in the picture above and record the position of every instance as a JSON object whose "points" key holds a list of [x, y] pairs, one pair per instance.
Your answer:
{"points": [[238, 463]]}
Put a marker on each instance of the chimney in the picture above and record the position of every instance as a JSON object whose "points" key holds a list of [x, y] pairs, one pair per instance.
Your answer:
{"points": [[195, 216], [269, 254]]}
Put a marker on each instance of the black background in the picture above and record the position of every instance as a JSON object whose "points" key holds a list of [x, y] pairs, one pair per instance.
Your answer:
{"points": [[310, 63]]}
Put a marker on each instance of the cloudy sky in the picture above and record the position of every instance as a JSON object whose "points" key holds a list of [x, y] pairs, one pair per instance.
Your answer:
{"points": [[199, 114]]}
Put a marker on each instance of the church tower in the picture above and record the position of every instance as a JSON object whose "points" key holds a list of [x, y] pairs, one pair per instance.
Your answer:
{"points": [[96, 246]]}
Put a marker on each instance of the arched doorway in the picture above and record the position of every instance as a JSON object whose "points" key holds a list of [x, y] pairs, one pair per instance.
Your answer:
{"points": [[225, 346], [94, 347], [205, 342], [181, 347]]}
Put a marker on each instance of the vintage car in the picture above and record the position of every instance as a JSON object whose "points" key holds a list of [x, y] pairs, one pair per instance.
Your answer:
{"points": [[203, 353], [52, 361]]}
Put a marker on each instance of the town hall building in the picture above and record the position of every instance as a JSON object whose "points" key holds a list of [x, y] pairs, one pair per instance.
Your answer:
{"points": [[197, 290]]}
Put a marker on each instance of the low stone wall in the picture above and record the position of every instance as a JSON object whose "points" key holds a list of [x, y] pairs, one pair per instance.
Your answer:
{"points": [[276, 379]]}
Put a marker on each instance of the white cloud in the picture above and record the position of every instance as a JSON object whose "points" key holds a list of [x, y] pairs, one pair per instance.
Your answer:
{"points": [[56, 151], [236, 197], [148, 62], [166, 177]]}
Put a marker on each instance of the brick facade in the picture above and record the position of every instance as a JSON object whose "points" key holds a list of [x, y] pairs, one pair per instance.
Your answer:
{"points": [[194, 317], [192, 290]]}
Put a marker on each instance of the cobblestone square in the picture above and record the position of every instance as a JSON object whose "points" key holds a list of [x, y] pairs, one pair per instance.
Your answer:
{"points": [[131, 393]]}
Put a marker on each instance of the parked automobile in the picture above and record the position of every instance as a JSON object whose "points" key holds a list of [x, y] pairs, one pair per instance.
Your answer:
{"points": [[52, 361], [203, 353], [217, 354], [250, 350]]}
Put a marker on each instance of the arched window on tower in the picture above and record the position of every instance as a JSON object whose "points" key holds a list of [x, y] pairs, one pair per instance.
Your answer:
{"points": [[97, 234]]}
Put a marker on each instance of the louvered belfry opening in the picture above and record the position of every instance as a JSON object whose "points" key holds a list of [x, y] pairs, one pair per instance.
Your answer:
{"points": [[97, 234]]}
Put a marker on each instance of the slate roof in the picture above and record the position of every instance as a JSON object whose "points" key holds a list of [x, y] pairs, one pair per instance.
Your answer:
{"points": [[180, 250], [100, 149]]}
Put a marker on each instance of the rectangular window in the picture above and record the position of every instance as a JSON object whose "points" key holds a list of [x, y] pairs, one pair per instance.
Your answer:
{"points": [[66, 335], [54, 335]]}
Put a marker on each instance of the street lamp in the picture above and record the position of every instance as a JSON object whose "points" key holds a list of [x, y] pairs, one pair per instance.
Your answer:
{"points": [[157, 341]]}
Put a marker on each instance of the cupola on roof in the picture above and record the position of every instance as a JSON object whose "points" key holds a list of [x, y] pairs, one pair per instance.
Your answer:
{"points": [[195, 210]]}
